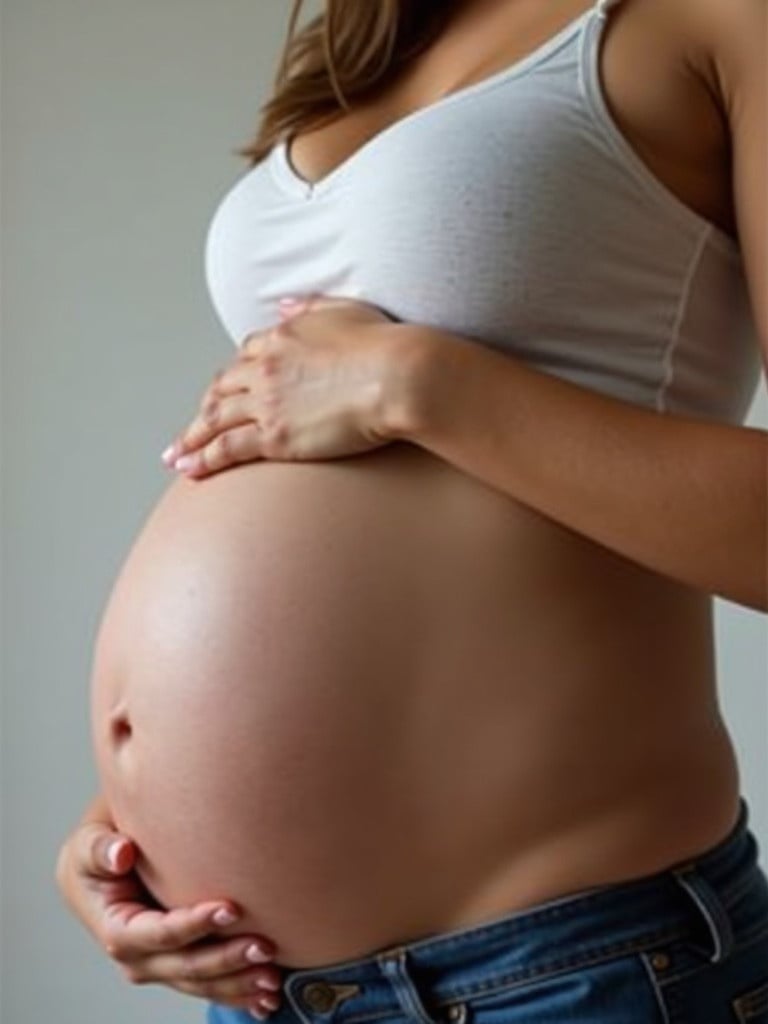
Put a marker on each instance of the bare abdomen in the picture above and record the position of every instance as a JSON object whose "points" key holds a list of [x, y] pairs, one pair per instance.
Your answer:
{"points": [[349, 694]]}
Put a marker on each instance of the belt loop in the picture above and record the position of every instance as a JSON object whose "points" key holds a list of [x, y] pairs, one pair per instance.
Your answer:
{"points": [[392, 963], [711, 909]]}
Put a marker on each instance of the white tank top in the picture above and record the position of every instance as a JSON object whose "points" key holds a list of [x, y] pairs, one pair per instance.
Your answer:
{"points": [[512, 212]]}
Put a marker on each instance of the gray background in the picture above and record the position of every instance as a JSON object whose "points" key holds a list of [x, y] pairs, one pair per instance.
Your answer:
{"points": [[118, 122]]}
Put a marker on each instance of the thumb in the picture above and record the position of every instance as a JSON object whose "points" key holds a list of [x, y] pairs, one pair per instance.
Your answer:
{"points": [[107, 853]]}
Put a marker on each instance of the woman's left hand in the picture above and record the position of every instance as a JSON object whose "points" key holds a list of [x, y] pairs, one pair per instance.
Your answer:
{"points": [[318, 385]]}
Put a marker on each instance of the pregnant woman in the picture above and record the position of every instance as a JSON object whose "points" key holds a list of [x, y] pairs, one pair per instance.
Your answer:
{"points": [[404, 701]]}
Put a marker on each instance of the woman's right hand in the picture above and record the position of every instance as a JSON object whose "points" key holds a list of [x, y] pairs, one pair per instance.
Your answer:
{"points": [[181, 948]]}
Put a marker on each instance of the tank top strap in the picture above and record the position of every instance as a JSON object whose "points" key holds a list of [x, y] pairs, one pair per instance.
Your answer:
{"points": [[602, 7]]}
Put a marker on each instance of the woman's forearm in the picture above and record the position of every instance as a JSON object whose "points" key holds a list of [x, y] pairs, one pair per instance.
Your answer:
{"points": [[685, 497]]}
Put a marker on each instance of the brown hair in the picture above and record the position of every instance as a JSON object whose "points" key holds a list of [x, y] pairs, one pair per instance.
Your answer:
{"points": [[352, 49]]}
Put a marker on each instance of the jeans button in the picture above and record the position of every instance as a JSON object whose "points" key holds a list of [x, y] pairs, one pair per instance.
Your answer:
{"points": [[318, 996]]}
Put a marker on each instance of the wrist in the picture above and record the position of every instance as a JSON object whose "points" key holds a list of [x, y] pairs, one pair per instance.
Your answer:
{"points": [[415, 355]]}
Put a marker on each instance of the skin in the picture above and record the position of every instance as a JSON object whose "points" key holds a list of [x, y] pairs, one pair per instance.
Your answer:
{"points": [[95, 874], [702, 98]]}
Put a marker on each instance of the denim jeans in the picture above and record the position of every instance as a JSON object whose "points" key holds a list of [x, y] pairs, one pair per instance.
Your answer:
{"points": [[687, 945]]}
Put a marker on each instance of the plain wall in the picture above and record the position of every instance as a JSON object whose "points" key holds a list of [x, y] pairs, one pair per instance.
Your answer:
{"points": [[118, 124]]}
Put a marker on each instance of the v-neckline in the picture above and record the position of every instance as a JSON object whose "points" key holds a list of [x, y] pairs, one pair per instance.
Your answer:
{"points": [[290, 178]]}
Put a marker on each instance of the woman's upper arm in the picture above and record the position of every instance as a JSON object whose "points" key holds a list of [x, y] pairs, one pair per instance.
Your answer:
{"points": [[737, 31]]}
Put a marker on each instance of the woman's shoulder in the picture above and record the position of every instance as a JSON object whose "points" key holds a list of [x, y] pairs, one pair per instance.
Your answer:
{"points": [[732, 36], [725, 40]]}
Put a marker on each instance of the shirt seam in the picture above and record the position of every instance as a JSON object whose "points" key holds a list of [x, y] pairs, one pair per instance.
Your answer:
{"points": [[667, 362]]}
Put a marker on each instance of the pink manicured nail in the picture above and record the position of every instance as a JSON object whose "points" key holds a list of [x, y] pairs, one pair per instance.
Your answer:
{"points": [[185, 462], [224, 917], [168, 454], [113, 853], [289, 301], [255, 954]]}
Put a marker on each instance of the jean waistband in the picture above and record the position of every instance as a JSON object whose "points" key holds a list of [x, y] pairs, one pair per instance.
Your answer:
{"points": [[576, 929]]}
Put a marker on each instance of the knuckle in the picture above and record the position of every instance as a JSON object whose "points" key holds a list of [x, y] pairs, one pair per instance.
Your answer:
{"points": [[275, 433], [253, 347], [281, 433], [270, 364], [222, 448], [211, 411]]}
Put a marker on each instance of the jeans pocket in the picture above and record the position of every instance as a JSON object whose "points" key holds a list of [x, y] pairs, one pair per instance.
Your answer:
{"points": [[751, 1007], [613, 991], [690, 989]]}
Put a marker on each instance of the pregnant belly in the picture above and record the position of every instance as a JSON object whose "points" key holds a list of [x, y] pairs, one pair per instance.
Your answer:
{"points": [[312, 681]]}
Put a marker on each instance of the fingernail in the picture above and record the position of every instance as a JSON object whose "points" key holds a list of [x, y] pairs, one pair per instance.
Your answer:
{"points": [[185, 462], [289, 300], [167, 455], [224, 916], [113, 854], [258, 1014], [256, 954]]}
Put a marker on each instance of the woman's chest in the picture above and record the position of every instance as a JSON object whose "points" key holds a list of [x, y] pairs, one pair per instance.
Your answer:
{"points": [[560, 172], [673, 119]]}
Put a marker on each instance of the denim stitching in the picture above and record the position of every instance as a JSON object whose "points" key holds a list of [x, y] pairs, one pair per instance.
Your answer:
{"points": [[500, 982], [362, 1018], [761, 933], [534, 917], [656, 988], [507, 982]]}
